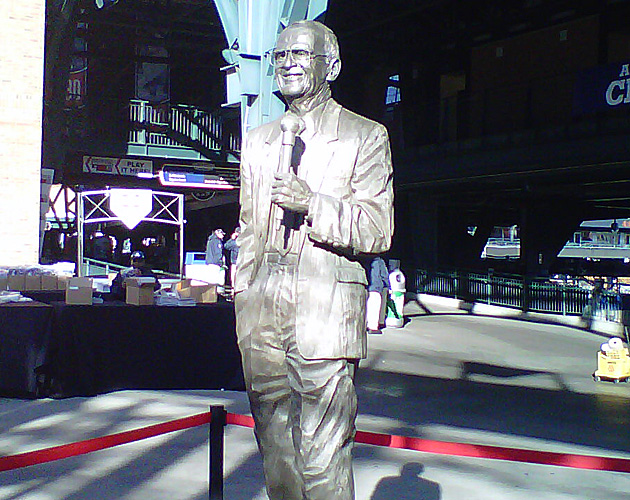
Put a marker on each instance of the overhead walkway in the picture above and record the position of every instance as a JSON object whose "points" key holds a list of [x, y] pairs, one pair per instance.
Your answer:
{"points": [[501, 248], [595, 239], [180, 131]]}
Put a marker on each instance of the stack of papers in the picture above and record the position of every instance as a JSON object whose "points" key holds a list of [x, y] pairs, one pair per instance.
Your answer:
{"points": [[7, 296], [164, 298]]}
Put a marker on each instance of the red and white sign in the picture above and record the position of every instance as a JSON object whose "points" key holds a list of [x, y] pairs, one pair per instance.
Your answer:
{"points": [[116, 166]]}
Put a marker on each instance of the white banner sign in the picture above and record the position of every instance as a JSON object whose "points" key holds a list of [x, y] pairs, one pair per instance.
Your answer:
{"points": [[116, 166], [130, 205]]}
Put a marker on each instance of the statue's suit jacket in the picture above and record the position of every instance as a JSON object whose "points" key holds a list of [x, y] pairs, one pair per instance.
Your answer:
{"points": [[347, 164]]}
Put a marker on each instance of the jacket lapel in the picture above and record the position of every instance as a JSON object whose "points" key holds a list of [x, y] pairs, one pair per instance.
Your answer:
{"points": [[323, 145]]}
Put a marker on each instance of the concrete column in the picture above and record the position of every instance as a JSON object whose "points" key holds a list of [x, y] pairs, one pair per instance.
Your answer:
{"points": [[416, 234], [22, 25], [457, 248], [545, 228]]}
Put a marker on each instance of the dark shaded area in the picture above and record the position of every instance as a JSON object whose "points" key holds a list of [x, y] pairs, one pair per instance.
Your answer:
{"points": [[472, 368], [24, 335], [558, 415], [144, 347], [407, 486], [489, 128], [70, 350]]}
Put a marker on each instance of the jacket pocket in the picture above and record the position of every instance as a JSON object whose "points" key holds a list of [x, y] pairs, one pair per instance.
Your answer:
{"points": [[347, 274]]}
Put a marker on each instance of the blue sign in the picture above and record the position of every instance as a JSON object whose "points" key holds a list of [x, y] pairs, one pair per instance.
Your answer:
{"points": [[191, 179], [601, 88]]}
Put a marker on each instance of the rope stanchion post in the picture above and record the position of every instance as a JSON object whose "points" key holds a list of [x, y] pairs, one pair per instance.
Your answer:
{"points": [[217, 431]]}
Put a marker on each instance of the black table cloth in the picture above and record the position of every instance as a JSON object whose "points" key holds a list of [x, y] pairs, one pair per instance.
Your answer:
{"points": [[87, 350], [25, 329]]}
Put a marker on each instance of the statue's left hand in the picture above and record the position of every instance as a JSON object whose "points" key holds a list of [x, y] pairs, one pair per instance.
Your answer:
{"points": [[290, 192]]}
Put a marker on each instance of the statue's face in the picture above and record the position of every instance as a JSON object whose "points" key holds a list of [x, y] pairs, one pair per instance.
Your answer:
{"points": [[303, 70]]}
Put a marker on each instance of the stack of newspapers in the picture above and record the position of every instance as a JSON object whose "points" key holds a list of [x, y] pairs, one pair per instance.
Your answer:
{"points": [[168, 298], [7, 296]]}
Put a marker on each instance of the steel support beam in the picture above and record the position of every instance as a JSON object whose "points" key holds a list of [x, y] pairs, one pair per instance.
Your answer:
{"points": [[251, 28]]}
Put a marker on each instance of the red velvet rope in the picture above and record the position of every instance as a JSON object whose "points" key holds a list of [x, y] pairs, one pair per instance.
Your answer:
{"points": [[100, 443], [242, 420], [372, 438], [495, 452]]}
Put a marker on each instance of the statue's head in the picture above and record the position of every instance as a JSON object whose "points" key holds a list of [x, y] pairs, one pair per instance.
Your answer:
{"points": [[306, 58]]}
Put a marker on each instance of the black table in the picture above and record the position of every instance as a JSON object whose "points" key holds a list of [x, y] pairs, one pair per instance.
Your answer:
{"points": [[25, 329], [88, 350]]}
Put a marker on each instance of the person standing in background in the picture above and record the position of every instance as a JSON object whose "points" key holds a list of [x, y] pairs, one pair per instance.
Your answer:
{"points": [[232, 246], [379, 282], [214, 248], [138, 269]]}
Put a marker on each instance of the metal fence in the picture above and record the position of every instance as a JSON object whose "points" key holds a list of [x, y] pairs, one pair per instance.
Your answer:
{"points": [[511, 291], [163, 125], [94, 267]]}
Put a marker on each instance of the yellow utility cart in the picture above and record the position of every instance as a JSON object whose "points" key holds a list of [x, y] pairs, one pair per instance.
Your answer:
{"points": [[613, 362]]}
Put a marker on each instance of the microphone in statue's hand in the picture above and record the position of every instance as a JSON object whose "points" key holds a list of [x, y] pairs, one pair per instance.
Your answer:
{"points": [[282, 190], [291, 125]]}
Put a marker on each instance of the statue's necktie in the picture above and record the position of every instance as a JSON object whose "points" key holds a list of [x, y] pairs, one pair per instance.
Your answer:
{"points": [[291, 221]]}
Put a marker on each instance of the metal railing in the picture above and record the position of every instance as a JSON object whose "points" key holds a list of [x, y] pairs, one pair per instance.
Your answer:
{"points": [[94, 267], [537, 295], [179, 126], [606, 306]]}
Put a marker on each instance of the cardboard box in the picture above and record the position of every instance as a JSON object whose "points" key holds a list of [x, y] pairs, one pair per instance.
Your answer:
{"points": [[139, 291], [16, 282], [4, 282], [32, 282], [202, 293], [79, 291], [62, 282], [49, 282]]}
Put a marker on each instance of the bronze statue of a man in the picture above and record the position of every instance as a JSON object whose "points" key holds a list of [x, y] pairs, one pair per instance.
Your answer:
{"points": [[308, 213]]}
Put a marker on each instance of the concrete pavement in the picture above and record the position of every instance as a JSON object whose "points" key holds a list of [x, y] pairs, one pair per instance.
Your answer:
{"points": [[447, 375]]}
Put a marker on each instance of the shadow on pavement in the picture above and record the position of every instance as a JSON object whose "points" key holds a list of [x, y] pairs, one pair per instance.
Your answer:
{"points": [[551, 414], [408, 485], [470, 368]]}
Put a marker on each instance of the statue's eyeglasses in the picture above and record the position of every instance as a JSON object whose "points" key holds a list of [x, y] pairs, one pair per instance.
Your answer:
{"points": [[302, 57]]}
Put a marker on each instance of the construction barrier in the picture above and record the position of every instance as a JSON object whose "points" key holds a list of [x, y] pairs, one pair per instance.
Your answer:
{"points": [[218, 418]]}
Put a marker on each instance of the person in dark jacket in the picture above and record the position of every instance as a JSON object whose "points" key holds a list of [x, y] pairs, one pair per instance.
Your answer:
{"points": [[138, 269], [102, 248], [231, 246], [214, 247]]}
